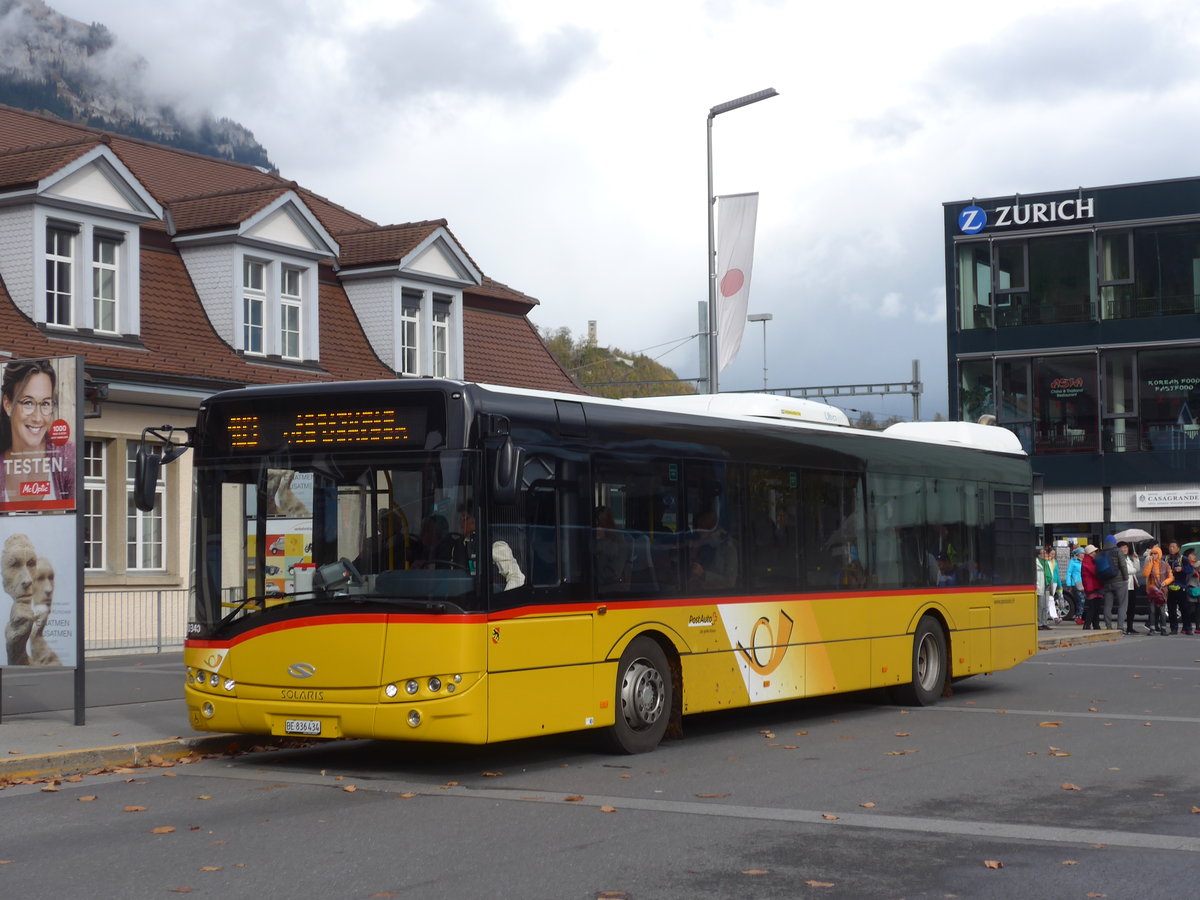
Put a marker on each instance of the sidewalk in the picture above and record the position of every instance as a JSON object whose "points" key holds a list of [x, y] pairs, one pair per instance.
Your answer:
{"points": [[134, 710], [135, 713]]}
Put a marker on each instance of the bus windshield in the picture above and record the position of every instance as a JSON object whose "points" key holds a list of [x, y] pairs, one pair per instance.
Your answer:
{"points": [[287, 532]]}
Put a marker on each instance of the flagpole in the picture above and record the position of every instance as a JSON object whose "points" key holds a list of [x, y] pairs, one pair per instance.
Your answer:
{"points": [[710, 351]]}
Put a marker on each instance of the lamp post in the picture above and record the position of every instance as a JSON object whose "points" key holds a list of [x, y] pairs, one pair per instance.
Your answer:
{"points": [[711, 344], [764, 318]]}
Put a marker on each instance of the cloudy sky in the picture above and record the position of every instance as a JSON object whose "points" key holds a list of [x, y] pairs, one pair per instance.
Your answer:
{"points": [[565, 143]]}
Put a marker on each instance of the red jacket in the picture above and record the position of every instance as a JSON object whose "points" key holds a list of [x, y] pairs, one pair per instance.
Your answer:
{"points": [[1091, 581]]}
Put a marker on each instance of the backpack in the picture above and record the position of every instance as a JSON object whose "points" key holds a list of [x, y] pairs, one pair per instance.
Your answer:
{"points": [[1105, 568]]}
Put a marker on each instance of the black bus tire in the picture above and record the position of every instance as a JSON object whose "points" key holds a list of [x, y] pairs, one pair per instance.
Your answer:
{"points": [[930, 666], [643, 698]]}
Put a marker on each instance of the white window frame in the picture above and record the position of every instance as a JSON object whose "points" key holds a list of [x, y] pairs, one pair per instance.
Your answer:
{"points": [[410, 337], [145, 532], [440, 342], [100, 267], [59, 298], [254, 298], [95, 498], [291, 312]]}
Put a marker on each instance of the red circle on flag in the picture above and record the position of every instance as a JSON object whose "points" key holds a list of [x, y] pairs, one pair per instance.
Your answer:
{"points": [[60, 432], [732, 282]]}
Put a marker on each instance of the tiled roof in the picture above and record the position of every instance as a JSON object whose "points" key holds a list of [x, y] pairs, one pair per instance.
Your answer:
{"points": [[178, 344], [385, 244], [223, 210], [505, 349], [27, 167]]}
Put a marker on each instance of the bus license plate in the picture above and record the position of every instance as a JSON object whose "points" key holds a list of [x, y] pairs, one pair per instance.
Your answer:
{"points": [[302, 726]]}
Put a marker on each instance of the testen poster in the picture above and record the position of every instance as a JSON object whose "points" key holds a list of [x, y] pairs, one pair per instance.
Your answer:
{"points": [[37, 447]]}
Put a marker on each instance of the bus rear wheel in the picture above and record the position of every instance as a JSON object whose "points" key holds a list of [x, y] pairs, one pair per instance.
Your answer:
{"points": [[643, 698], [929, 666]]}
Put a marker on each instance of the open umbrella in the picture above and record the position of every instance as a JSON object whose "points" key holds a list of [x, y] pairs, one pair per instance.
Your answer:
{"points": [[1133, 535]]}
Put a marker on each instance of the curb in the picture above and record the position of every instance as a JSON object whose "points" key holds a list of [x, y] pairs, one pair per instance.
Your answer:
{"points": [[1076, 636], [145, 753]]}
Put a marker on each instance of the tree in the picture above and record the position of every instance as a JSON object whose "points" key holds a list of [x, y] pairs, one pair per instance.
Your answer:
{"points": [[610, 371]]}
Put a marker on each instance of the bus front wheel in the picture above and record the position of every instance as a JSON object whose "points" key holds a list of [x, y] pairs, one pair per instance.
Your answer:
{"points": [[929, 666], [643, 698]]}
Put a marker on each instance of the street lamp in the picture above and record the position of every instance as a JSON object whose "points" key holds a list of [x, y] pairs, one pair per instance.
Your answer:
{"points": [[710, 353], [764, 318]]}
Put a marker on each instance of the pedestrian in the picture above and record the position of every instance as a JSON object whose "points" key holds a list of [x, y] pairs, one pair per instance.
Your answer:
{"points": [[1190, 595], [1129, 565], [1175, 590], [1159, 578], [1046, 585], [1074, 586], [1113, 578], [1093, 589]]}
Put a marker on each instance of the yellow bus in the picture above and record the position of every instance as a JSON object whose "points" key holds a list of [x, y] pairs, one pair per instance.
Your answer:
{"points": [[432, 560]]}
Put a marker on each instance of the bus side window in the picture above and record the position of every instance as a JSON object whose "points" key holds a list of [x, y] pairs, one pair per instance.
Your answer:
{"points": [[713, 539], [774, 549], [634, 547]]}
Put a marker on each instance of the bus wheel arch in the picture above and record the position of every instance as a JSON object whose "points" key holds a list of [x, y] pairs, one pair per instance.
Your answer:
{"points": [[647, 695], [930, 664]]}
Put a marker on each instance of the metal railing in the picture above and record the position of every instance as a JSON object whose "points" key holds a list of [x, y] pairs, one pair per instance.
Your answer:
{"points": [[119, 620]]}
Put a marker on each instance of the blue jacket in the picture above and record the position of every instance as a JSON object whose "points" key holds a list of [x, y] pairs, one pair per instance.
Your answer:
{"points": [[1075, 572]]}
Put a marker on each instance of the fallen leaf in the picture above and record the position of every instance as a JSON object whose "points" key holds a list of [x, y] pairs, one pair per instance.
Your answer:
{"points": [[819, 883], [1071, 787], [211, 868], [407, 795], [1058, 753], [608, 809], [801, 732], [1196, 809], [74, 779], [88, 799], [829, 816], [204, 797], [903, 734], [5, 862], [1147, 724], [1049, 724], [162, 829], [867, 805], [491, 774], [1159, 795], [170, 774], [1096, 896], [790, 747], [711, 796], [181, 890], [135, 809], [1070, 862], [50, 789], [993, 864], [573, 798], [350, 789], [1093, 709], [754, 871]]}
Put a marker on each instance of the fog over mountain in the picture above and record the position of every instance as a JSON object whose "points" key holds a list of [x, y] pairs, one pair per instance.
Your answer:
{"points": [[82, 73]]}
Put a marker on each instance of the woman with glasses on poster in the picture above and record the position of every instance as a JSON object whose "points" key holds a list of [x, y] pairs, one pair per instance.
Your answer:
{"points": [[35, 466]]}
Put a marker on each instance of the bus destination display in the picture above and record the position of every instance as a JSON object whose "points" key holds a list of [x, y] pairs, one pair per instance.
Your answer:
{"points": [[325, 428]]}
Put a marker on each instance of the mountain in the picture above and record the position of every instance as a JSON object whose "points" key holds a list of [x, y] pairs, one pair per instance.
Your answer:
{"points": [[81, 73]]}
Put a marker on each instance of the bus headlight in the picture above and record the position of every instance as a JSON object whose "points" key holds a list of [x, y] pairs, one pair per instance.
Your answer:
{"points": [[230, 684], [214, 679], [207, 710], [391, 690], [435, 684], [411, 686], [414, 718]]}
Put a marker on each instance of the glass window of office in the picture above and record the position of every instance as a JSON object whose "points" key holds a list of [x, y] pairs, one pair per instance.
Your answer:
{"points": [[1012, 282], [974, 272], [1120, 422], [976, 389], [1061, 279], [1169, 398], [1166, 267], [1066, 404], [1016, 409]]}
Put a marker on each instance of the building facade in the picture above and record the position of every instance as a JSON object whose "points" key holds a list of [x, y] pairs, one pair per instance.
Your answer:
{"points": [[175, 275], [1073, 317]]}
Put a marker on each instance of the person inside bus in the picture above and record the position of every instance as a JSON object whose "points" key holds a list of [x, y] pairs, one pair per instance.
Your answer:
{"points": [[434, 549], [613, 553], [386, 548], [713, 561]]}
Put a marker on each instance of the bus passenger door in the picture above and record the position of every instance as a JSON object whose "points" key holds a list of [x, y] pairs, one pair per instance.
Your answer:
{"points": [[540, 630]]}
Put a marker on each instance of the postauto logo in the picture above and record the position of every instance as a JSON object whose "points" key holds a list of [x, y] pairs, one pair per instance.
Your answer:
{"points": [[972, 219]]}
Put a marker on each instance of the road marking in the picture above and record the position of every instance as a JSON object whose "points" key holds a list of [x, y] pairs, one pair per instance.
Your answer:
{"points": [[883, 822], [1060, 714]]}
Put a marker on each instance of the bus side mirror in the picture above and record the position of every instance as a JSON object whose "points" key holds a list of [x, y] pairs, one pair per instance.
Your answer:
{"points": [[506, 476], [147, 466]]}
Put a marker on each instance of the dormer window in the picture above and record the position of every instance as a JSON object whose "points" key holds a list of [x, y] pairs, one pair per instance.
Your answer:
{"points": [[86, 273], [290, 306], [105, 253], [273, 313], [254, 304], [60, 254]]}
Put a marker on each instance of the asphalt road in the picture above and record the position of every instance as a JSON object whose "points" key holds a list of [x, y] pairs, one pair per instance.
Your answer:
{"points": [[1073, 775]]}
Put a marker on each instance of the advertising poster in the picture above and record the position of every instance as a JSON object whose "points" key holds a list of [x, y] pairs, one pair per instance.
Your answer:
{"points": [[37, 447], [38, 604]]}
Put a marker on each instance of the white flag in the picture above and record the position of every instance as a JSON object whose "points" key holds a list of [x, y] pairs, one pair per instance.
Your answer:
{"points": [[735, 256]]}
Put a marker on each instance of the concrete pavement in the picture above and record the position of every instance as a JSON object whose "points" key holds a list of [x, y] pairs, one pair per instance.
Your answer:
{"points": [[135, 714]]}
